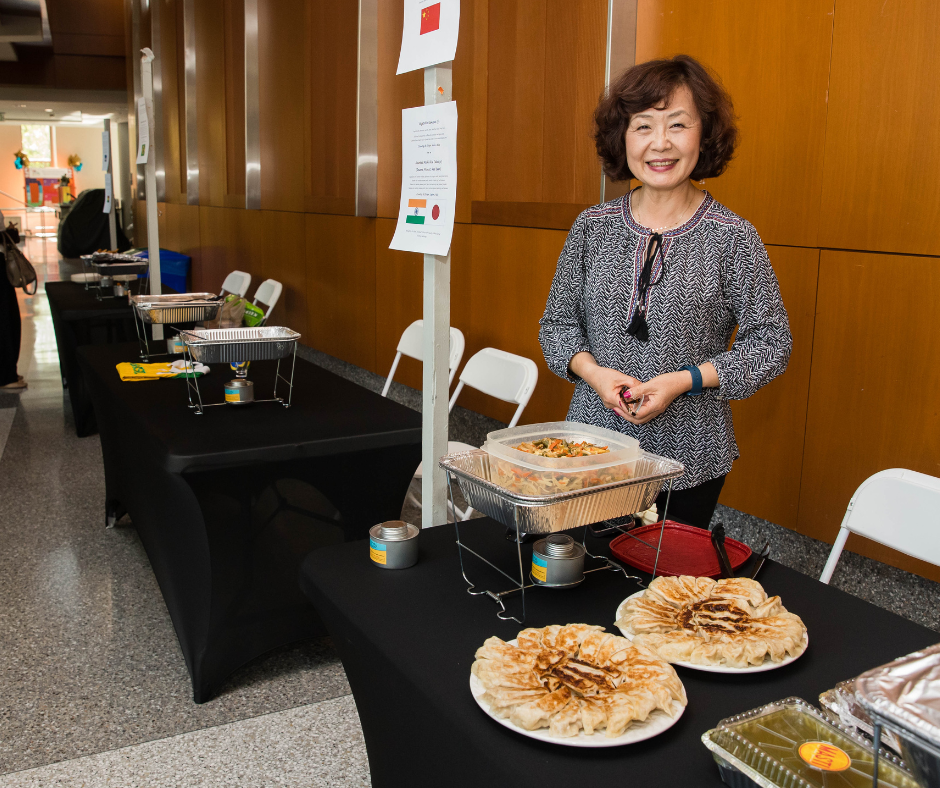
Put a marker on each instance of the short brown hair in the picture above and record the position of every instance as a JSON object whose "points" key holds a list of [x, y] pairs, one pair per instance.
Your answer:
{"points": [[651, 84]]}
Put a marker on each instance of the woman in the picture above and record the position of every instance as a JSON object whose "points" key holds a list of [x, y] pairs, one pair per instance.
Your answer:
{"points": [[649, 287], [9, 321]]}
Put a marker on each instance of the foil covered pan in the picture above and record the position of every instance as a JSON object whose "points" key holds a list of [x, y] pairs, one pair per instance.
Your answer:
{"points": [[227, 345], [904, 697], [177, 308], [540, 514], [841, 706]]}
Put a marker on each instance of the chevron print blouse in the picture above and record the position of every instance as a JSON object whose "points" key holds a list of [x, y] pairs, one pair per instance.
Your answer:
{"points": [[716, 276]]}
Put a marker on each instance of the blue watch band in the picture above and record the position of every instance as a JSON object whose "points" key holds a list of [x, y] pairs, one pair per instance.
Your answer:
{"points": [[696, 380]]}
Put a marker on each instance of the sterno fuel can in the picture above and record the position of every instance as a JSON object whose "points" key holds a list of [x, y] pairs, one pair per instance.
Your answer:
{"points": [[394, 545], [557, 562]]}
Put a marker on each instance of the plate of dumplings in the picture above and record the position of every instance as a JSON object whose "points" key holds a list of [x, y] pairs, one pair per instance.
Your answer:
{"points": [[576, 685], [717, 626]]}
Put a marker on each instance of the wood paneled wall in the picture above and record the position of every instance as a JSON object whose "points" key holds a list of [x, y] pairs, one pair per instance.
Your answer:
{"points": [[838, 146]]}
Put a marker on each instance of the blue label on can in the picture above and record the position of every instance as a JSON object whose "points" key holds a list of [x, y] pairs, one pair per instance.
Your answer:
{"points": [[539, 561]]}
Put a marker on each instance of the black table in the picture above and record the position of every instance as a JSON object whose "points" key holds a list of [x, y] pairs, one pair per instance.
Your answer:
{"points": [[78, 319], [407, 640], [227, 503]]}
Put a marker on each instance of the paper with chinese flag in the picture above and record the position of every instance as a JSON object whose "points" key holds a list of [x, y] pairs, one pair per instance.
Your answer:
{"points": [[429, 35], [428, 179]]}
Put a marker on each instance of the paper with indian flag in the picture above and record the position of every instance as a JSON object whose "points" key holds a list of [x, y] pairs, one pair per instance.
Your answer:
{"points": [[428, 179], [429, 34]]}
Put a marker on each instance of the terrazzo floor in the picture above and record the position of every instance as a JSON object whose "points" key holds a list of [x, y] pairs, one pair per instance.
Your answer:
{"points": [[93, 688]]}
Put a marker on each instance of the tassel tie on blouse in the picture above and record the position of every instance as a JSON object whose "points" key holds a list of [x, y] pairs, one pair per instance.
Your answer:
{"points": [[638, 327]]}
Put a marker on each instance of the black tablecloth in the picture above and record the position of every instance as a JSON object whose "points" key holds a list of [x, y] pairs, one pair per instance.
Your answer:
{"points": [[407, 640], [227, 503], [78, 318]]}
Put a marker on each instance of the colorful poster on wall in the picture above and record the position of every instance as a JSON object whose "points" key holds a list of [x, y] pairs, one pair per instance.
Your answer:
{"points": [[429, 35], [42, 185], [428, 179]]}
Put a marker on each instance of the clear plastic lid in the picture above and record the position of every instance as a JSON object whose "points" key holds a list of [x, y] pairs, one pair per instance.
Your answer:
{"points": [[789, 744], [623, 448]]}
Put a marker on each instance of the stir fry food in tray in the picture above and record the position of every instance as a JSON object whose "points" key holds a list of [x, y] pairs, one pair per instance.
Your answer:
{"points": [[529, 481], [559, 447], [559, 457]]}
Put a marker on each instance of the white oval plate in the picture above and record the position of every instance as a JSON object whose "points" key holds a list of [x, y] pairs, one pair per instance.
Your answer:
{"points": [[652, 726], [769, 664]]}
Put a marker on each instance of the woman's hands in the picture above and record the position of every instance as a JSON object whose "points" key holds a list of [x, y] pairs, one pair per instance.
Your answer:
{"points": [[608, 383], [646, 400], [659, 394]]}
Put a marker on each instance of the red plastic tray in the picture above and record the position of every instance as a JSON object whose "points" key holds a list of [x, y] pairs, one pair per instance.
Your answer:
{"points": [[686, 550]]}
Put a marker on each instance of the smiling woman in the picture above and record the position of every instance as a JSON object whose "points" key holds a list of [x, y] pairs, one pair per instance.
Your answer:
{"points": [[650, 287]]}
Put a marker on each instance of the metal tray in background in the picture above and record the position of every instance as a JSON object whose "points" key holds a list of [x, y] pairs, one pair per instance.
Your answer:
{"points": [[544, 514], [117, 268], [227, 345], [177, 308]]}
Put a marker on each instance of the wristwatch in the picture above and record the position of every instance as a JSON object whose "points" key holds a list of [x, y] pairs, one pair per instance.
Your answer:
{"points": [[696, 380]]}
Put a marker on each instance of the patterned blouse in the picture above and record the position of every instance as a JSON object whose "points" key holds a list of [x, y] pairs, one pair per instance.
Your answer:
{"points": [[716, 276]]}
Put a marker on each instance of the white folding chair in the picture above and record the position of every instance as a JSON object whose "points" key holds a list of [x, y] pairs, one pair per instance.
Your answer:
{"points": [[237, 283], [896, 508], [268, 293], [411, 344], [503, 375]]}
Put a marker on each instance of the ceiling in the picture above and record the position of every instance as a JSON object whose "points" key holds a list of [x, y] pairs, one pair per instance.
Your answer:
{"points": [[68, 107], [22, 22]]}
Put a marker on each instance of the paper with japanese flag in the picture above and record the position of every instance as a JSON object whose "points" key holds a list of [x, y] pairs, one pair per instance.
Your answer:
{"points": [[429, 35], [428, 179]]}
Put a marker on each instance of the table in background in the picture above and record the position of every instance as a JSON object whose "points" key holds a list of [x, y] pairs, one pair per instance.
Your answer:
{"points": [[78, 319], [407, 639], [228, 503]]}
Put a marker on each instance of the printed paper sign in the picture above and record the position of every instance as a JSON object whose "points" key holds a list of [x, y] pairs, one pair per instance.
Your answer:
{"points": [[107, 193], [428, 179], [143, 132], [105, 150], [430, 33]]}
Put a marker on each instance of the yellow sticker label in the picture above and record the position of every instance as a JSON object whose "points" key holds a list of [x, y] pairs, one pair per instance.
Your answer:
{"points": [[824, 756], [377, 552], [539, 569], [232, 396]]}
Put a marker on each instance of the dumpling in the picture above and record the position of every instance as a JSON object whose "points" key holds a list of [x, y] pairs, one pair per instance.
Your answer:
{"points": [[567, 722]]}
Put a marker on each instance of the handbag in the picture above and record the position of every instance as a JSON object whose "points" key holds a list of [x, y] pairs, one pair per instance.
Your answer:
{"points": [[20, 271]]}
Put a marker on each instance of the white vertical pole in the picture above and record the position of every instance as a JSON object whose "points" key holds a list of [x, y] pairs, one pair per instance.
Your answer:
{"points": [[437, 89], [112, 222], [150, 183]]}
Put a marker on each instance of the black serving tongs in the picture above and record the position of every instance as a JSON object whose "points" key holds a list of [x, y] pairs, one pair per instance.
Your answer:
{"points": [[759, 559], [718, 542]]}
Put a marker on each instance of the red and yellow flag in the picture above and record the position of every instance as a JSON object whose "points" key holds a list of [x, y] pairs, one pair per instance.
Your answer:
{"points": [[430, 19]]}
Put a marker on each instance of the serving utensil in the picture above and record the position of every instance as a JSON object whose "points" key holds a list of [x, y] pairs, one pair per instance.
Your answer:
{"points": [[759, 559], [718, 542]]}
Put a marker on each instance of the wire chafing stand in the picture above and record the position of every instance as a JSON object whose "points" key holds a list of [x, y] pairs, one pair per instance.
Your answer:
{"points": [[170, 309], [236, 345], [563, 511], [109, 266]]}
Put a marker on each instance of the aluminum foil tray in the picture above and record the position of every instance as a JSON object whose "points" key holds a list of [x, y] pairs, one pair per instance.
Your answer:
{"points": [[842, 707], [177, 308], [114, 267], [904, 697], [542, 514], [226, 345]]}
